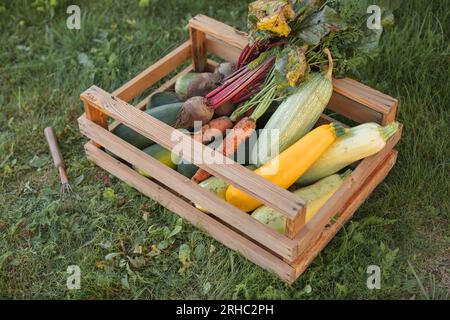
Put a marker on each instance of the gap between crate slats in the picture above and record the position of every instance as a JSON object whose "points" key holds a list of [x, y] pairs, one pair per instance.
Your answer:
{"points": [[154, 73], [177, 182], [164, 87], [221, 233], [313, 228], [191, 150], [226, 42], [355, 201]]}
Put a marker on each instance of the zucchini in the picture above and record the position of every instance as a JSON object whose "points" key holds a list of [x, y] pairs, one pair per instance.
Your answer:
{"points": [[161, 98], [186, 168], [162, 155], [295, 116], [290, 165], [359, 142], [166, 113], [214, 185], [315, 195], [217, 186]]}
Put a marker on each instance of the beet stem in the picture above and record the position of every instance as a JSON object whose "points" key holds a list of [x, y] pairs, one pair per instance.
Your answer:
{"points": [[241, 55], [226, 83], [250, 79]]}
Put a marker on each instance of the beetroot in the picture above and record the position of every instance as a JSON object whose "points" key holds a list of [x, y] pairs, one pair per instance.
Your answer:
{"points": [[202, 85], [225, 109], [224, 69], [194, 109]]}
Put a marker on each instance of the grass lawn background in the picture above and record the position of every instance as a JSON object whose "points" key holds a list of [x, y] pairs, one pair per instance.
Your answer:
{"points": [[110, 233]]}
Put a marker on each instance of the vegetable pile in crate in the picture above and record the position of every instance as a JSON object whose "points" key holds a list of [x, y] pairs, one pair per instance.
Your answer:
{"points": [[278, 209]]}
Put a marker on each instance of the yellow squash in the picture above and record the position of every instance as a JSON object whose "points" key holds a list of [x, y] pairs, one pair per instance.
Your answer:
{"points": [[315, 195], [289, 165]]}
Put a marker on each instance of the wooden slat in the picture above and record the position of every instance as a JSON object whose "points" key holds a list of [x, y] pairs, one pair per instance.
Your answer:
{"points": [[190, 190], [293, 227], [349, 209], [96, 116], [198, 49], [353, 110], [211, 66], [365, 95], [219, 30], [351, 98], [154, 73], [209, 225], [335, 204], [222, 49], [195, 152], [361, 103], [164, 87]]}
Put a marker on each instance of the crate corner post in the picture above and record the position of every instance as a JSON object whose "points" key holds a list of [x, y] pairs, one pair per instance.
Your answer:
{"points": [[288, 254], [93, 114], [198, 48]]}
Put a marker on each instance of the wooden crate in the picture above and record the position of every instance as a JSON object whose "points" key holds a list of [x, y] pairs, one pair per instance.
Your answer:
{"points": [[289, 254]]}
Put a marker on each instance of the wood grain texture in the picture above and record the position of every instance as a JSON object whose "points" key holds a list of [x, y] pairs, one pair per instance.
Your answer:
{"points": [[287, 255], [361, 103], [222, 49], [353, 110], [96, 116], [351, 98], [154, 73], [190, 190], [219, 30], [198, 49], [195, 152], [168, 85], [365, 95], [218, 231], [293, 227], [375, 178], [334, 205]]}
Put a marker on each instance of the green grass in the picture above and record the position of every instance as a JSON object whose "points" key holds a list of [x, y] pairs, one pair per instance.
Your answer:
{"points": [[404, 227]]}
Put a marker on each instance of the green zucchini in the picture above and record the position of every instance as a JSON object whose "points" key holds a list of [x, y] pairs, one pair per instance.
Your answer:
{"points": [[186, 168], [161, 98], [315, 195], [182, 83], [166, 113], [214, 185], [358, 143], [295, 116], [162, 155], [217, 186]]}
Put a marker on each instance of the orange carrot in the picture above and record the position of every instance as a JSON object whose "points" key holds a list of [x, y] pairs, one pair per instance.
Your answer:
{"points": [[241, 131], [212, 129]]}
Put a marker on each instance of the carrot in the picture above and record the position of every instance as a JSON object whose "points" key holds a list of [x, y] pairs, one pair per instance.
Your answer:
{"points": [[212, 129], [240, 132], [246, 125]]}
